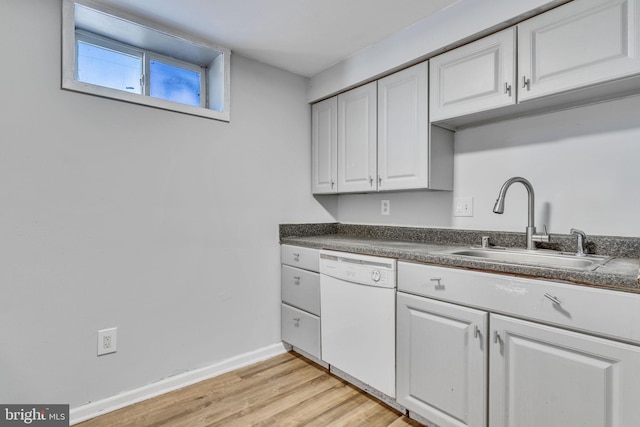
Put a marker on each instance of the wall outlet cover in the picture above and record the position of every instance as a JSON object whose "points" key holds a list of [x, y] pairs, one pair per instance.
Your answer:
{"points": [[107, 341], [385, 207]]}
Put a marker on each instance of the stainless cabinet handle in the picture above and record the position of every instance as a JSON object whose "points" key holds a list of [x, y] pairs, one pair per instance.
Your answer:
{"points": [[297, 320], [553, 298], [476, 331], [370, 181], [496, 337], [296, 257], [296, 280], [379, 180], [507, 89], [438, 282], [526, 83]]}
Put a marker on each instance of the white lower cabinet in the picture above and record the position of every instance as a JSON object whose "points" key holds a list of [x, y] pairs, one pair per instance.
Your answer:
{"points": [[546, 376], [301, 329], [441, 361], [300, 293], [536, 374]]}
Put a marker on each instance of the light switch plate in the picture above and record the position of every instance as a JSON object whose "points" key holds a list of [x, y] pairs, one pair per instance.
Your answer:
{"points": [[463, 206]]}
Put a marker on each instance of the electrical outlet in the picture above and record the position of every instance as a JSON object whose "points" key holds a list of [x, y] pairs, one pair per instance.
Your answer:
{"points": [[463, 206], [385, 207], [107, 341]]}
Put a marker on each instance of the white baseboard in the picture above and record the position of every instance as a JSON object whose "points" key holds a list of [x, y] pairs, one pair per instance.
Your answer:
{"points": [[103, 406]]}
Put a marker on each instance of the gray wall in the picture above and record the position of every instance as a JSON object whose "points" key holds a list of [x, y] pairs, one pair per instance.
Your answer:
{"points": [[582, 162], [117, 215]]}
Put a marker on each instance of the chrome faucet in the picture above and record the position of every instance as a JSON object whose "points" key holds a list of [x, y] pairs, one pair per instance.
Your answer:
{"points": [[582, 241], [531, 229]]}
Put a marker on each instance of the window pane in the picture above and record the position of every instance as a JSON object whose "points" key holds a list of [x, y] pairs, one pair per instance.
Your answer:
{"points": [[105, 67], [174, 83]]}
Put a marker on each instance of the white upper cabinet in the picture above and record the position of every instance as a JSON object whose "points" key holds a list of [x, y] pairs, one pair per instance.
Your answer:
{"points": [[475, 77], [403, 130], [324, 154], [357, 154], [384, 141], [582, 43], [580, 52]]}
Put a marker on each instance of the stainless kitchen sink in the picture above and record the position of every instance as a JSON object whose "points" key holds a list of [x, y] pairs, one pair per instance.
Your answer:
{"points": [[543, 258]]}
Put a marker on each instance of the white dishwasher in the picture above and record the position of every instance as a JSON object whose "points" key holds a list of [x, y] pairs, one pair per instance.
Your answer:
{"points": [[357, 317]]}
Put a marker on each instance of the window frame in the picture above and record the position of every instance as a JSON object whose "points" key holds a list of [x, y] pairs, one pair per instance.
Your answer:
{"points": [[216, 99], [108, 44], [153, 56]]}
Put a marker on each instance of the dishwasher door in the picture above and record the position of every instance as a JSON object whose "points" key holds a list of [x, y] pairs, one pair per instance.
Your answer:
{"points": [[358, 331]]}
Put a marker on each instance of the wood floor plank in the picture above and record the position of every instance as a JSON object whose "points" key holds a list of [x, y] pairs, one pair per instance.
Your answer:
{"points": [[284, 391], [251, 394]]}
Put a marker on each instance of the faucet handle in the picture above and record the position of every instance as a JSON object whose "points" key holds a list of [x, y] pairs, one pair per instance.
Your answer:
{"points": [[541, 237], [578, 232]]}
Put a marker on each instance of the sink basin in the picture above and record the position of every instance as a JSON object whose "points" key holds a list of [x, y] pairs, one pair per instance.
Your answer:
{"points": [[543, 258]]}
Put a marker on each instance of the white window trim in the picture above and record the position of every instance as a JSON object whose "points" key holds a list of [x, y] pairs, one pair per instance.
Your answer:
{"points": [[69, 81]]}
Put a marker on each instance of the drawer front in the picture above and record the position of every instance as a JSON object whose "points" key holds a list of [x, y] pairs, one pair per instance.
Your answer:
{"points": [[301, 289], [301, 257], [301, 330], [598, 311]]}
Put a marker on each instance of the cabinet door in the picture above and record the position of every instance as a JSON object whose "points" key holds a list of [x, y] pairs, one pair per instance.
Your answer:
{"points": [[476, 77], [324, 146], [403, 130], [357, 139], [442, 361], [578, 44], [545, 376]]}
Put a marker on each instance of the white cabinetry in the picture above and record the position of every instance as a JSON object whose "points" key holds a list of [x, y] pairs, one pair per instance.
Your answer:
{"points": [[580, 52], [441, 361], [357, 155], [541, 371], [546, 376], [411, 153], [300, 291], [475, 77], [582, 43], [384, 140], [324, 137]]}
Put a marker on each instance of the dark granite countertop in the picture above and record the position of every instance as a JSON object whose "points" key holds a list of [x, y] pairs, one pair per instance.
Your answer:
{"points": [[425, 245]]}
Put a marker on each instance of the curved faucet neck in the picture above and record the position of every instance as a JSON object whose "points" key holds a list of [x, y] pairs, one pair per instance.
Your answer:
{"points": [[531, 199]]}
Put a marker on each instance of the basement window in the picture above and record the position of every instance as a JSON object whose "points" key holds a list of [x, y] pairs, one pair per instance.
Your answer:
{"points": [[115, 55]]}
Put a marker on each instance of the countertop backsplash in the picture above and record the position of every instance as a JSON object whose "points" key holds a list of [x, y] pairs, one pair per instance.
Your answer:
{"points": [[615, 246]]}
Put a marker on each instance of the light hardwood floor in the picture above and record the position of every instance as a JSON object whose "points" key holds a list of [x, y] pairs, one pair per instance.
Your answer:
{"points": [[287, 390]]}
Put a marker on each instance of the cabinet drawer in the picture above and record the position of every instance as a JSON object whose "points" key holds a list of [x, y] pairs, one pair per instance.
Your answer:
{"points": [[301, 257], [301, 288], [598, 311], [301, 330]]}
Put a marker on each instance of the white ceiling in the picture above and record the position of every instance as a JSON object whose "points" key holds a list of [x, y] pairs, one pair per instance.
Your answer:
{"points": [[302, 36]]}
